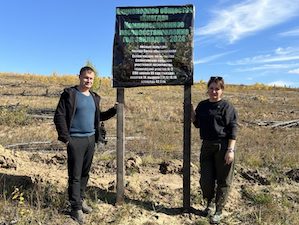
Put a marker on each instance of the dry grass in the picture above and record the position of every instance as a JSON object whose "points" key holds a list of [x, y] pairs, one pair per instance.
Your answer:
{"points": [[154, 117]]}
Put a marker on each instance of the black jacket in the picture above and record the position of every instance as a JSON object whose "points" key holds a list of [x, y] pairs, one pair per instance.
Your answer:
{"points": [[216, 120], [65, 112]]}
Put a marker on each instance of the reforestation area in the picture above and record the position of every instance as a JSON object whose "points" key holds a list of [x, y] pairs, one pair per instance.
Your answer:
{"points": [[33, 166]]}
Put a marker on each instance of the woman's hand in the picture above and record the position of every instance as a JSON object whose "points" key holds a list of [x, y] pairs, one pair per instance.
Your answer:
{"points": [[229, 157], [230, 152]]}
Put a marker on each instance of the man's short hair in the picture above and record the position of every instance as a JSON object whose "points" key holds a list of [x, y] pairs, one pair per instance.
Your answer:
{"points": [[87, 69]]}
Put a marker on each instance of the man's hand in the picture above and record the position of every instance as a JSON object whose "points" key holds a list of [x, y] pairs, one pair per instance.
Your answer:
{"points": [[193, 115]]}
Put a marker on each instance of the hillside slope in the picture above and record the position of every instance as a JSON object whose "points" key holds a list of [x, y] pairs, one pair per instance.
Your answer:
{"points": [[33, 174]]}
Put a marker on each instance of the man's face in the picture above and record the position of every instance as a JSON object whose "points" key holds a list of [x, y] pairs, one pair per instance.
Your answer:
{"points": [[86, 79]]}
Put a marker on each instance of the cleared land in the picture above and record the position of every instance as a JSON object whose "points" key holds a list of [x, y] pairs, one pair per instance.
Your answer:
{"points": [[33, 172]]}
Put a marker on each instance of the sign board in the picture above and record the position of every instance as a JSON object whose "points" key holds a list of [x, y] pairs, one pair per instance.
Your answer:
{"points": [[153, 46]]}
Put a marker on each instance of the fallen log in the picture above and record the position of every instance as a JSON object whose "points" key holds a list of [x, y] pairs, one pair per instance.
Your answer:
{"points": [[37, 146], [290, 123], [40, 116], [53, 146], [275, 124]]}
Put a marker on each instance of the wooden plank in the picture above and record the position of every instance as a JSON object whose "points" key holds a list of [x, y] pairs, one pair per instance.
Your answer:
{"points": [[187, 147], [120, 147]]}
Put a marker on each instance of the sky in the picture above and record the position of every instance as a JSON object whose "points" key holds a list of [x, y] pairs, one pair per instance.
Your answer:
{"points": [[244, 41]]}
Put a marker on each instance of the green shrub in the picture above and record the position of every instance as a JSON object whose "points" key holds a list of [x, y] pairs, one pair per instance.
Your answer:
{"points": [[14, 116]]}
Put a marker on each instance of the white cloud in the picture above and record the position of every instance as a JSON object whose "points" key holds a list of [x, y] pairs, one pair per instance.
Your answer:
{"points": [[211, 58], [295, 71], [240, 20], [281, 83], [286, 51], [278, 55], [268, 67], [294, 32]]}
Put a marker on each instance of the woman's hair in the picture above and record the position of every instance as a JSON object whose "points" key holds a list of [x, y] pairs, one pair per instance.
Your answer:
{"points": [[218, 80]]}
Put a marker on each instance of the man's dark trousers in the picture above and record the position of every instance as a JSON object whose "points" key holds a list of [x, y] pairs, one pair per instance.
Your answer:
{"points": [[80, 151]]}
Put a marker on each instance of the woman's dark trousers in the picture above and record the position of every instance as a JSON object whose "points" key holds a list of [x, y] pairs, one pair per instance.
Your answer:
{"points": [[216, 176]]}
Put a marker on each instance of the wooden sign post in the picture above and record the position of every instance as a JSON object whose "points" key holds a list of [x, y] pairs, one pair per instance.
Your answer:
{"points": [[187, 147], [153, 46], [120, 147]]}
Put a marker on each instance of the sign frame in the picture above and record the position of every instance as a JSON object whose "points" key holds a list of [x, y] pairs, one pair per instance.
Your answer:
{"points": [[153, 46]]}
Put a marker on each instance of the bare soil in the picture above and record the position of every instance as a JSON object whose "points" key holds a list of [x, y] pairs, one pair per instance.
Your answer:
{"points": [[33, 167]]}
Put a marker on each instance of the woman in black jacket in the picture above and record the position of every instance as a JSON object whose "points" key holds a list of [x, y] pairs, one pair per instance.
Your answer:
{"points": [[216, 119]]}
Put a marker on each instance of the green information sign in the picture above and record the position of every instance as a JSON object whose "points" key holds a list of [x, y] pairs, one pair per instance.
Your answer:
{"points": [[153, 46]]}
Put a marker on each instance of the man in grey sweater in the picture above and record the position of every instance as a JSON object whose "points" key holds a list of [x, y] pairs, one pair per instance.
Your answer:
{"points": [[77, 119]]}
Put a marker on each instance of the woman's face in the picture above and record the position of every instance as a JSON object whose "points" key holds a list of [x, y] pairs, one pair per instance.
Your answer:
{"points": [[215, 92]]}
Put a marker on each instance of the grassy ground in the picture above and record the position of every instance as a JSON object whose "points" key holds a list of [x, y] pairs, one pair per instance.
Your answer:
{"points": [[154, 123]]}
